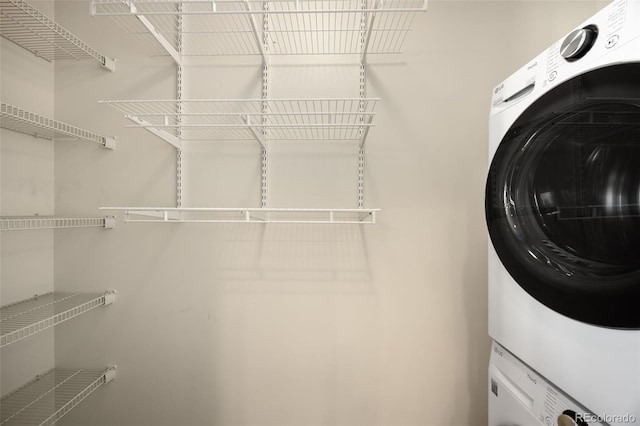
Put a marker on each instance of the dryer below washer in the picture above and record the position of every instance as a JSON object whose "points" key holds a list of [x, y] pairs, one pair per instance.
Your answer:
{"points": [[519, 396]]}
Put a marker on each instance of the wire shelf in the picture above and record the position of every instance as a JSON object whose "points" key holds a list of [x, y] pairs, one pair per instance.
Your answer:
{"points": [[44, 400], [39, 222], [284, 119], [276, 27], [24, 25], [246, 215], [20, 120], [28, 317]]}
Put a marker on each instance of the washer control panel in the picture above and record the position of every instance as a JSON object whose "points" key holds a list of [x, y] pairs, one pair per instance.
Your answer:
{"points": [[539, 400], [578, 43], [609, 33]]}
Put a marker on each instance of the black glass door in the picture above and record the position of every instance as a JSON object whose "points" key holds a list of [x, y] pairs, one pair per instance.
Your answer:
{"points": [[563, 198]]}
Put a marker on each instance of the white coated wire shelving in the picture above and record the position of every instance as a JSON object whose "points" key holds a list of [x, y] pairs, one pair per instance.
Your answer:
{"points": [[23, 121], [183, 28], [295, 27], [251, 119], [28, 317], [246, 215], [29, 223], [51, 395], [29, 28]]}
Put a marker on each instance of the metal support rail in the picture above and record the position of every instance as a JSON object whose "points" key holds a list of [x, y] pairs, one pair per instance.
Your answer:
{"points": [[246, 215], [51, 395], [37, 222], [20, 120], [296, 27], [24, 25], [28, 317]]}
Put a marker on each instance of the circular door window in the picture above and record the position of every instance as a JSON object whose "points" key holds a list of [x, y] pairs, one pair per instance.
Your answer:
{"points": [[563, 198]]}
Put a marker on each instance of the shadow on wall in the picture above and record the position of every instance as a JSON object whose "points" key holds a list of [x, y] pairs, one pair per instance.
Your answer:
{"points": [[291, 259]]}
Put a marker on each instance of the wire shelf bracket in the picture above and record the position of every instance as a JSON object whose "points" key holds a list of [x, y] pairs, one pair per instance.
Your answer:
{"points": [[246, 215], [20, 120], [156, 34], [156, 130], [255, 131], [29, 223], [27, 27], [297, 27], [368, 31], [47, 398], [256, 32], [28, 317]]}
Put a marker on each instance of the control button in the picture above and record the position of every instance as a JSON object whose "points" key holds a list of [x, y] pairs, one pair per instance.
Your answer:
{"points": [[612, 41], [552, 75], [578, 43]]}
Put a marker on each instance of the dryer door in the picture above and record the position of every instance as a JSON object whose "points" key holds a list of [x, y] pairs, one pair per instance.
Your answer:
{"points": [[563, 198]]}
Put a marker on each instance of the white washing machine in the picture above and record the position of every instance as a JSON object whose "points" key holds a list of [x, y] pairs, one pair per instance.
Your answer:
{"points": [[563, 213], [518, 396]]}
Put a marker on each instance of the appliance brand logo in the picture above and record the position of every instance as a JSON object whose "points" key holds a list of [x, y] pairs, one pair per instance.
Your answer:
{"points": [[498, 88], [532, 66], [498, 351]]}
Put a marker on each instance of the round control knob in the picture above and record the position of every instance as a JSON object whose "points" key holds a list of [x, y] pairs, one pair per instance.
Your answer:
{"points": [[564, 420], [571, 418], [578, 43]]}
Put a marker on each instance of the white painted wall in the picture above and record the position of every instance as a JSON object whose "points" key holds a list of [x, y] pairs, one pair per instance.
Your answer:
{"points": [[292, 324], [26, 188]]}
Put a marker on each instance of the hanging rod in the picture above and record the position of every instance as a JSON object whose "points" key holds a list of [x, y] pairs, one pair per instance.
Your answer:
{"points": [[247, 215]]}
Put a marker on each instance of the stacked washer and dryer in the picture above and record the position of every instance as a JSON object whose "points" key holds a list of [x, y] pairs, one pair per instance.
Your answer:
{"points": [[563, 214]]}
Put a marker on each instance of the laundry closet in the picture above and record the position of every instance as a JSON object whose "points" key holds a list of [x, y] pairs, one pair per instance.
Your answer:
{"points": [[250, 213]]}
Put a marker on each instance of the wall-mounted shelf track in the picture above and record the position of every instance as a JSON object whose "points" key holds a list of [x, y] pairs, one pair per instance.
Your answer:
{"points": [[28, 317], [51, 395], [28, 223], [296, 27], [246, 215], [20, 120], [183, 28], [252, 119], [31, 29]]}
